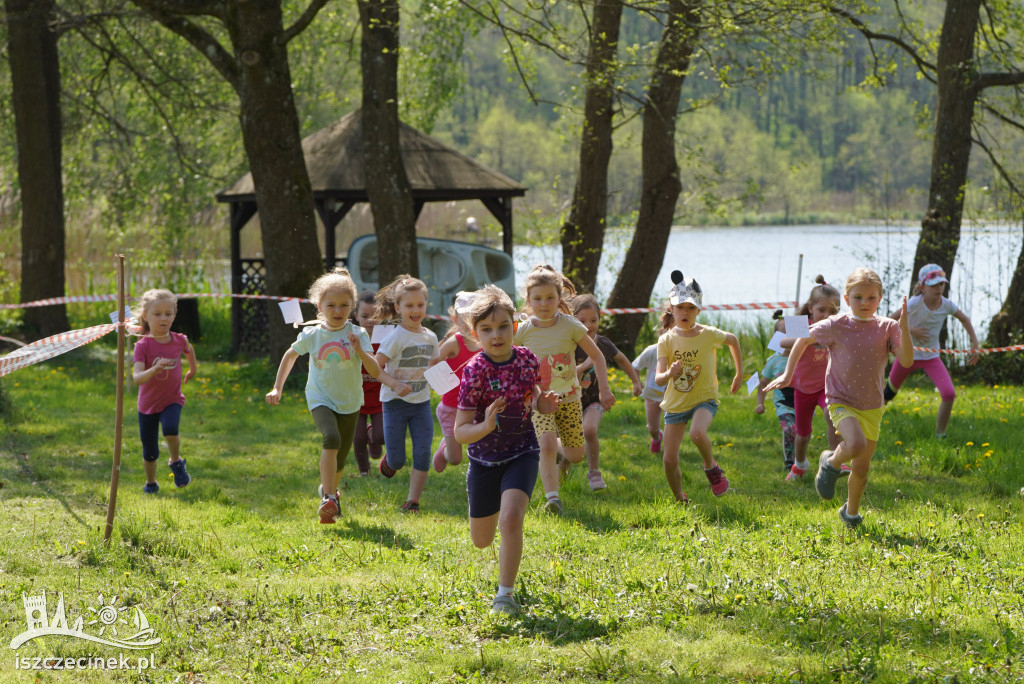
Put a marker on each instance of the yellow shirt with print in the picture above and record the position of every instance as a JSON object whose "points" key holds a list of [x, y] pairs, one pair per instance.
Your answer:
{"points": [[698, 382]]}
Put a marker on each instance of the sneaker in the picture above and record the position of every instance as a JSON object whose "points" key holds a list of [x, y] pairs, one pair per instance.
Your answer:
{"points": [[844, 470], [787, 465], [656, 443], [385, 469], [596, 481], [553, 506], [504, 605], [328, 511], [825, 481], [151, 488], [852, 521], [440, 462], [684, 501], [411, 507], [181, 476], [719, 485], [320, 492], [795, 473], [888, 393]]}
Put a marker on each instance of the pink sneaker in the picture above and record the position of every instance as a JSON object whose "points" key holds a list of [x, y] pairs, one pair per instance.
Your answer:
{"points": [[440, 462], [719, 485], [656, 443], [844, 470], [795, 473], [596, 481]]}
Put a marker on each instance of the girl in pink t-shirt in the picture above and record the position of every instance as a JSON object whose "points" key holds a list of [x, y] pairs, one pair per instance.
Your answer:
{"points": [[156, 371], [809, 377], [859, 345], [457, 348]]}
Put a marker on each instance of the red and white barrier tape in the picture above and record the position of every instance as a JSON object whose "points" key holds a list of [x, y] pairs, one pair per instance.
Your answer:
{"points": [[48, 347], [711, 307], [988, 350]]}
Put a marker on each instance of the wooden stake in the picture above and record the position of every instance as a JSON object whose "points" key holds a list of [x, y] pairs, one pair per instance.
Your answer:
{"points": [[115, 472]]}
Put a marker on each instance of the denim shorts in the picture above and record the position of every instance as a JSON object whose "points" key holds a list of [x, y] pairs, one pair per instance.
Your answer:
{"points": [[685, 416]]}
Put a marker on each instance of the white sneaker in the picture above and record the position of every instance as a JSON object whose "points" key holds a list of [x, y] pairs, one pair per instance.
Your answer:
{"points": [[504, 605]]}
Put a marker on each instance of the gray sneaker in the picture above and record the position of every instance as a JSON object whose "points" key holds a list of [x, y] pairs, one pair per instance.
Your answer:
{"points": [[825, 481], [553, 506], [504, 605], [852, 521]]}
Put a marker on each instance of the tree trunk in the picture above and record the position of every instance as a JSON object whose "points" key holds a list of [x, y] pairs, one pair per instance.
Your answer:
{"points": [[951, 148], [387, 185], [1007, 326], [583, 233], [661, 186], [35, 88]]}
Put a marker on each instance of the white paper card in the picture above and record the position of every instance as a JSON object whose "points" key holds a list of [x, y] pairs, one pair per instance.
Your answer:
{"points": [[441, 377], [380, 332], [796, 326], [776, 342], [753, 382], [127, 314], [291, 311]]}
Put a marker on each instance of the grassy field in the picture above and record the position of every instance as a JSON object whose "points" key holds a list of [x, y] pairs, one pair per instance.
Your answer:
{"points": [[239, 580]]}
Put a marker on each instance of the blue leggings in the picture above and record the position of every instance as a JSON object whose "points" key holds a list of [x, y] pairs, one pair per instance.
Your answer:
{"points": [[149, 426], [399, 414]]}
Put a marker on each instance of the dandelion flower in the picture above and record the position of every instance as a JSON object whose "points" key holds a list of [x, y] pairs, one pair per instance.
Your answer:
{"points": [[970, 444]]}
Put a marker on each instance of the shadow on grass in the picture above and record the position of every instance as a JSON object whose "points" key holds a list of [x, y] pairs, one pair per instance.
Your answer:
{"points": [[374, 534], [559, 628]]}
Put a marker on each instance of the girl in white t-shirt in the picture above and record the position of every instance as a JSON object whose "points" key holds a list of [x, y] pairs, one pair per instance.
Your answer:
{"points": [[927, 310], [653, 394], [338, 350], [404, 355]]}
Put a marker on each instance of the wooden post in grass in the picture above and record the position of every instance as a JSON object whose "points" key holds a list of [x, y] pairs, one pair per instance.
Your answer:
{"points": [[115, 471]]}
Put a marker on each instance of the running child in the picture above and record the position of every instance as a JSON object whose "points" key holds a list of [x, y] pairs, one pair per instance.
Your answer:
{"points": [[369, 437], [809, 377], [552, 334], [687, 356], [781, 398], [859, 345], [588, 312], [403, 355], [500, 388], [457, 348], [156, 370], [927, 310], [653, 394], [338, 351]]}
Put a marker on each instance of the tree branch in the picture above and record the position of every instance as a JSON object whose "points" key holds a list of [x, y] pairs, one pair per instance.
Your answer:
{"points": [[926, 68], [198, 37], [999, 167], [303, 22], [1007, 78]]}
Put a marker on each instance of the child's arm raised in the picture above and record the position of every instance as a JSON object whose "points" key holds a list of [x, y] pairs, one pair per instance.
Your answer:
{"points": [[966, 322], [600, 369], [369, 361], [467, 432], [733, 343], [141, 375], [399, 388], [190, 356], [287, 361], [794, 356], [622, 361], [667, 372], [905, 357]]}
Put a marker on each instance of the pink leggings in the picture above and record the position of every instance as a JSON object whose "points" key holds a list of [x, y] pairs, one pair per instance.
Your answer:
{"points": [[803, 406], [933, 368]]}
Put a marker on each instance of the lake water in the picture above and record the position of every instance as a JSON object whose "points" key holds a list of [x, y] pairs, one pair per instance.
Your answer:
{"points": [[760, 264]]}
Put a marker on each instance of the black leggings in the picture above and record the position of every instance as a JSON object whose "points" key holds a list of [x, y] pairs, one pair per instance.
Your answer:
{"points": [[368, 442]]}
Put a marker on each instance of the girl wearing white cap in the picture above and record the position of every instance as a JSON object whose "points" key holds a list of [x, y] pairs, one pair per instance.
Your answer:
{"points": [[927, 310]]}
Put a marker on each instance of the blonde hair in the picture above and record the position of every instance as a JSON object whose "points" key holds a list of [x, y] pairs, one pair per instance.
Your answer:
{"points": [[391, 295], [863, 276], [487, 300], [821, 291], [584, 301], [545, 274], [338, 279], [148, 298]]}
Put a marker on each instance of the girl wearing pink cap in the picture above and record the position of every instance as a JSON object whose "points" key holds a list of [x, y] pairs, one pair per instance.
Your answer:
{"points": [[927, 310]]}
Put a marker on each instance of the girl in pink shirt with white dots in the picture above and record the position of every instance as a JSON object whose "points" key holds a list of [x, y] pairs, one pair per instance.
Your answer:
{"points": [[859, 345]]}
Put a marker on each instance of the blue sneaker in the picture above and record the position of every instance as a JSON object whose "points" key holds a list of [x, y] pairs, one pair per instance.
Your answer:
{"points": [[181, 476], [825, 482], [852, 521], [151, 488]]}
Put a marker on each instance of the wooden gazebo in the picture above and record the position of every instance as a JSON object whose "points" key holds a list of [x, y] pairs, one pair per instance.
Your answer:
{"points": [[334, 159]]}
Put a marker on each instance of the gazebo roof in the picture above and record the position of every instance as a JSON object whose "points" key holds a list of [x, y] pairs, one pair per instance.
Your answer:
{"points": [[334, 159]]}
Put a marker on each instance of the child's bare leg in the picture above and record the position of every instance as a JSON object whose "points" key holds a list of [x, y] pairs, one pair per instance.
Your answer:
{"points": [[375, 434], [570, 455], [150, 469], [673, 439], [417, 480], [942, 420], [329, 471], [548, 467], [699, 435], [653, 411], [173, 448], [831, 433], [800, 443], [452, 451], [591, 423], [481, 530], [857, 450], [514, 503]]}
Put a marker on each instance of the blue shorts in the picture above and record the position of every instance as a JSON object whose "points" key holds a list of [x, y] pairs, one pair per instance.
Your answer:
{"points": [[685, 416], [150, 425], [485, 484]]}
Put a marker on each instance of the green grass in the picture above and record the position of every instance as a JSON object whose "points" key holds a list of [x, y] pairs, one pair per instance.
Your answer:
{"points": [[240, 581]]}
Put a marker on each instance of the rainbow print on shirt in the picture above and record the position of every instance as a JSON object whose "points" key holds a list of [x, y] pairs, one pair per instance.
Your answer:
{"points": [[336, 349]]}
